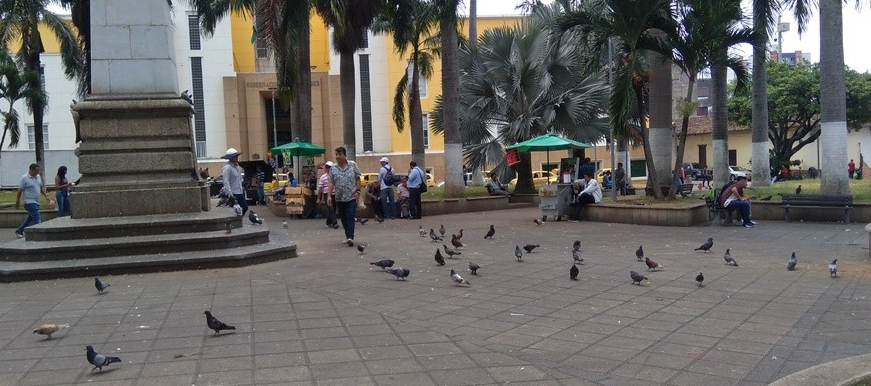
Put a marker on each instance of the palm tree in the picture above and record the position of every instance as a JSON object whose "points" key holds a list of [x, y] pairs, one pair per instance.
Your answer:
{"points": [[473, 22], [763, 21], [448, 24], [833, 100], [412, 23], [20, 21], [349, 20], [521, 82], [16, 85]]}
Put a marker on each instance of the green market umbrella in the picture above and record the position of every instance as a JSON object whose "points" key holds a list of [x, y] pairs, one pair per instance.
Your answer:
{"points": [[547, 142], [298, 149]]}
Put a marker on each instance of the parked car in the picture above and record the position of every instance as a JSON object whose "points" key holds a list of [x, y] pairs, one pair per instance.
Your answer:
{"points": [[600, 177], [737, 171], [694, 170], [539, 177]]}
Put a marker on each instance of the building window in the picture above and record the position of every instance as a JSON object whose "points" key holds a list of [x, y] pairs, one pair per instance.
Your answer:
{"points": [[366, 102], [409, 70], [262, 49], [31, 143], [199, 106], [365, 42], [194, 30], [425, 130]]}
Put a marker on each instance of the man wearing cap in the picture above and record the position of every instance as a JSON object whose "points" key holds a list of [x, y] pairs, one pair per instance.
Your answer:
{"points": [[345, 191], [388, 202], [323, 193], [232, 174]]}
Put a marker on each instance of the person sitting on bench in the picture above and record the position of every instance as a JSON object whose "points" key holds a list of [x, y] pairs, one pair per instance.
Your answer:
{"points": [[737, 200], [591, 193], [495, 187]]}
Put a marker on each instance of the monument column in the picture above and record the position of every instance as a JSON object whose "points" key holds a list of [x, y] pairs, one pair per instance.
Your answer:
{"points": [[136, 155]]}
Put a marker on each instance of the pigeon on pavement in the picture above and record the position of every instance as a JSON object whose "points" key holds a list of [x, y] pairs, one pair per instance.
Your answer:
{"points": [[434, 236], [421, 231], [216, 324], [538, 222], [379, 220], [101, 286], [529, 247], [383, 263], [451, 252], [361, 248], [700, 280], [458, 279], [48, 329], [229, 228], [399, 272], [98, 360], [455, 241], [438, 257], [573, 272], [729, 259], [362, 221], [706, 246], [237, 209], [790, 265], [442, 230], [833, 268], [637, 278], [284, 224], [576, 245], [254, 218], [490, 232], [518, 253], [473, 268], [639, 253], [651, 264], [576, 257]]}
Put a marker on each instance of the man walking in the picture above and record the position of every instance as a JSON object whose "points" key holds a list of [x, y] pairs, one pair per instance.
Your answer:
{"points": [[388, 202], [416, 179], [344, 192], [232, 174], [30, 186]]}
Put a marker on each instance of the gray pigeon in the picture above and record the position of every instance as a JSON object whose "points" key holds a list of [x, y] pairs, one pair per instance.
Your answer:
{"points": [[361, 248], [706, 246], [639, 253], [421, 231], [451, 252], [254, 218], [434, 236], [529, 247], [438, 257], [490, 232], [637, 278], [798, 190], [576, 245], [284, 224], [573, 272], [399, 272], [729, 259], [229, 228], [458, 279], [538, 222], [576, 256], [442, 230], [518, 253], [833, 268], [99, 360], [187, 97], [383, 263], [790, 265], [216, 324], [455, 241], [700, 280], [101, 286], [473, 268]]}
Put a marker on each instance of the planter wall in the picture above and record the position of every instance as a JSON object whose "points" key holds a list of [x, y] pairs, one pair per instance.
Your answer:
{"points": [[646, 215], [14, 218], [429, 207]]}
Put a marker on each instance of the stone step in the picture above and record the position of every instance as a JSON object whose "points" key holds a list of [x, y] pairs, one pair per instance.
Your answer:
{"points": [[90, 248], [66, 228], [12, 271]]}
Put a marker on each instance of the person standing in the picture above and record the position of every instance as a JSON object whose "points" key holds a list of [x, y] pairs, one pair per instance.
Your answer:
{"points": [[30, 186], [323, 193], [416, 179], [232, 174], [62, 192], [345, 191], [851, 168], [620, 178], [388, 201], [402, 191]]}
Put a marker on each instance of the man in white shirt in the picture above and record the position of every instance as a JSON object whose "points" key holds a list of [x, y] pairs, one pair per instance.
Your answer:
{"points": [[591, 193], [232, 174]]}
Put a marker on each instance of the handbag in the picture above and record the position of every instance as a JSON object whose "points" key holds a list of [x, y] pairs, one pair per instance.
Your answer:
{"points": [[422, 182]]}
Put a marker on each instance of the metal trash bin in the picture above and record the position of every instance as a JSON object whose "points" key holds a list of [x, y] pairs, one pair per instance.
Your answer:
{"points": [[554, 201]]}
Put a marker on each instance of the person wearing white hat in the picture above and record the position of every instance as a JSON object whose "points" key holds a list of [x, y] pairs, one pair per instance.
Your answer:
{"points": [[323, 193], [232, 174], [345, 191], [388, 201]]}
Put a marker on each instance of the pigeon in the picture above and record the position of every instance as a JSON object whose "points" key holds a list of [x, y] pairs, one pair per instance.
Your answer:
{"points": [[442, 230], [101, 286], [216, 324], [48, 329], [383, 263], [700, 280], [284, 224], [790, 265], [729, 259], [399, 272], [473, 268], [538, 222], [451, 252], [833, 268], [576, 245], [434, 236], [458, 279], [187, 97], [362, 221], [460, 235], [254, 218], [639, 253], [490, 232], [576, 257], [529, 247], [573, 272], [237, 209], [518, 253], [98, 360], [637, 278], [798, 190], [438, 257], [706, 246], [766, 198], [361, 248], [455, 241], [651, 264], [421, 231], [379, 220], [229, 228]]}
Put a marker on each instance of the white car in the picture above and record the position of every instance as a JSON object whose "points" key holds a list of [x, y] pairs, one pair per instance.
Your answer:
{"points": [[737, 171]]}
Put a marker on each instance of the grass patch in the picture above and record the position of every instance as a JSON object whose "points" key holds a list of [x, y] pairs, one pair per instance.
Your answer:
{"points": [[860, 189], [7, 199], [438, 193]]}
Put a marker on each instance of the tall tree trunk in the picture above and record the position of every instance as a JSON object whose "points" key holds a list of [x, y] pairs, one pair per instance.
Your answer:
{"points": [[524, 174], [759, 148], [303, 100], [660, 117], [833, 105], [682, 138], [415, 116], [652, 178], [473, 23], [719, 134], [453, 176], [34, 64], [348, 88]]}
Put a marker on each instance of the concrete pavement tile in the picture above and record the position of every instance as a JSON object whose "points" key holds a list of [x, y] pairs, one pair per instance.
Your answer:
{"points": [[429, 349], [676, 349], [446, 362], [421, 337], [733, 357], [92, 382], [319, 323], [790, 367], [720, 369], [709, 331], [386, 352], [337, 370], [275, 336], [404, 379], [332, 356], [627, 343], [393, 366], [461, 377], [695, 379], [606, 352], [181, 332], [799, 355], [511, 339], [764, 328], [278, 347], [328, 343], [598, 328], [644, 373], [58, 363], [353, 381], [281, 374], [589, 363], [656, 359], [362, 320], [54, 377], [226, 364], [692, 340], [280, 360], [557, 345], [228, 351], [225, 378], [370, 329], [319, 333], [753, 337], [517, 373], [178, 367], [574, 335], [166, 380], [641, 333]]}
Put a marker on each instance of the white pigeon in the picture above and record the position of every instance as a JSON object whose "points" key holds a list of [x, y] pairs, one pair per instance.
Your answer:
{"points": [[421, 231], [833, 268], [458, 279], [284, 224], [576, 256], [237, 209]]}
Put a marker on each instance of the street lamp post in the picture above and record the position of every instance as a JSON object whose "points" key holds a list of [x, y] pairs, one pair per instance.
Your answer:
{"points": [[274, 122]]}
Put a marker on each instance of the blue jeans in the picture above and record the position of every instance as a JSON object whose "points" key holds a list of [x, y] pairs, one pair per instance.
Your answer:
{"points": [[347, 214], [388, 203], [62, 197], [243, 203], [32, 217], [743, 206], [261, 196]]}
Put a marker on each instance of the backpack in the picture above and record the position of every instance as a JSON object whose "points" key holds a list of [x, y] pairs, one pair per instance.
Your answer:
{"points": [[389, 179], [724, 194]]}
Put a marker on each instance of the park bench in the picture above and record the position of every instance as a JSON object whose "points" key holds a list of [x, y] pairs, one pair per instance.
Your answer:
{"points": [[686, 190], [719, 211], [817, 201]]}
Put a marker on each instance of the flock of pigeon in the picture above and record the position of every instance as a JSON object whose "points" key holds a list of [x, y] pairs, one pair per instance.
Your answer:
{"points": [[99, 360]]}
